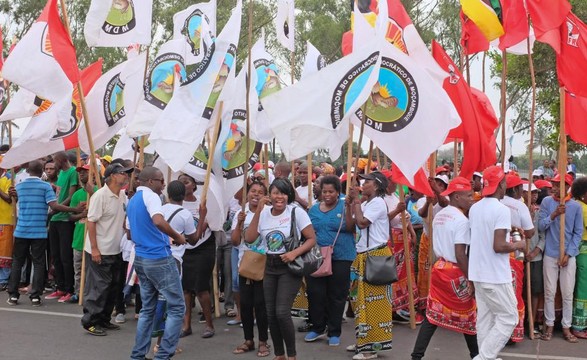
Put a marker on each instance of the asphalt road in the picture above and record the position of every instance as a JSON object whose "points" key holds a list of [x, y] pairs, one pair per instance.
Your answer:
{"points": [[53, 331]]}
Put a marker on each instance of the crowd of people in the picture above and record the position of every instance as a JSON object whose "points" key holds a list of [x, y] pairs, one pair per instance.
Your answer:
{"points": [[144, 239]]}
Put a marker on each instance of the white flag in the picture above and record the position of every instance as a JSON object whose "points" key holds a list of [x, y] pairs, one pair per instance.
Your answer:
{"points": [[285, 24], [314, 61], [163, 78], [197, 26], [32, 66], [405, 106], [182, 124], [264, 82], [314, 113], [113, 101], [118, 23], [125, 147]]}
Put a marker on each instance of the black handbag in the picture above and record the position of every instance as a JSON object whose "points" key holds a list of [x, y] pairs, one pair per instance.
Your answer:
{"points": [[379, 270], [307, 263]]}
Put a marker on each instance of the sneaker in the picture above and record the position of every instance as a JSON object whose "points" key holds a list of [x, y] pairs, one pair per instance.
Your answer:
{"points": [[351, 348], [95, 330], [65, 298], [120, 319], [55, 295], [74, 299], [307, 326], [313, 336], [36, 301], [365, 356], [109, 326], [333, 341], [202, 319], [12, 300], [399, 319]]}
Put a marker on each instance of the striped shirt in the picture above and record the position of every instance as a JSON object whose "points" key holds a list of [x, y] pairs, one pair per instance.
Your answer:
{"points": [[34, 196]]}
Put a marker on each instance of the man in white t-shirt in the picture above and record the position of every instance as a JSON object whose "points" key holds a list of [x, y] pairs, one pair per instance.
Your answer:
{"points": [[489, 266], [452, 236], [179, 218]]}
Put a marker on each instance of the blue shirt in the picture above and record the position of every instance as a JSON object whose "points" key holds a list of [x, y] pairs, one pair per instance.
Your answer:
{"points": [[326, 225], [34, 196], [150, 242], [551, 228], [412, 209]]}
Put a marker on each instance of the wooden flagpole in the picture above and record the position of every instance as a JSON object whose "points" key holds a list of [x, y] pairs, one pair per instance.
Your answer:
{"points": [[369, 157], [562, 170], [483, 72], [503, 105], [429, 219], [529, 199], [408, 261], [266, 164], [12, 173], [211, 149], [378, 154], [349, 159], [310, 172], [360, 143], [292, 63], [248, 117]]}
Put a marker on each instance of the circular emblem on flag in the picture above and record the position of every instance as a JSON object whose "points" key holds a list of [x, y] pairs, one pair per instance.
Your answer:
{"points": [[160, 78], [113, 101], [394, 99], [234, 148], [221, 78], [121, 18], [349, 88], [192, 30], [267, 77]]}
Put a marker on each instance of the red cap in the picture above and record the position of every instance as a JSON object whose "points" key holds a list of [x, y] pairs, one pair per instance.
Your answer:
{"points": [[492, 176], [258, 166], [440, 169], [512, 181], [343, 177], [568, 179], [542, 184], [83, 167], [458, 184], [386, 173]]}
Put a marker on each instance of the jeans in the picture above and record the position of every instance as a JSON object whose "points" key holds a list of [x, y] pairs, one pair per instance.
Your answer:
{"points": [[77, 269], [60, 238], [234, 265], [280, 288], [224, 265], [158, 276], [37, 249], [425, 335], [4, 275], [101, 289], [327, 298], [253, 305], [566, 275], [497, 316]]}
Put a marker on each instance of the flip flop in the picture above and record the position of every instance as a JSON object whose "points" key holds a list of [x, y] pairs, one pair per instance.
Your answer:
{"points": [[263, 350], [569, 337], [185, 333], [208, 333]]}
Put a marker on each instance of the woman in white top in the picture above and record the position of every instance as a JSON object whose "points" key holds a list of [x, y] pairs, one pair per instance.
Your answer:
{"points": [[252, 299], [198, 263], [280, 286], [372, 304]]}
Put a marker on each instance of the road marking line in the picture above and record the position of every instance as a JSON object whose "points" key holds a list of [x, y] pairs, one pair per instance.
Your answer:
{"points": [[541, 357], [41, 312]]}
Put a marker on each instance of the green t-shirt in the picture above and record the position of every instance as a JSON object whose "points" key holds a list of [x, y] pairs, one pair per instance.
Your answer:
{"points": [[78, 233], [65, 180]]}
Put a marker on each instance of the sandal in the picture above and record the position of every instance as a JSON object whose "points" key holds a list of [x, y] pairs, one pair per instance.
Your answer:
{"points": [[244, 347], [569, 337], [547, 336], [185, 333], [208, 333], [231, 313], [263, 350]]}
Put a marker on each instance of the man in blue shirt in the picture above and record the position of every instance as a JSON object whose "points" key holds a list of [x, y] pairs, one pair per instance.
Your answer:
{"points": [[556, 268], [155, 266], [34, 198]]}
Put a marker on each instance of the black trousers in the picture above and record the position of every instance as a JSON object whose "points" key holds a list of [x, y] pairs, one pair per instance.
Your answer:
{"points": [[60, 239], [253, 304], [280, 288], [327, 298], [425, 334], [22, 248], [120, 300], [101, 288]]}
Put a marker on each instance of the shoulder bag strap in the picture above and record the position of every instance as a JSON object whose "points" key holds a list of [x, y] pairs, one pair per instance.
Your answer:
{"points": [[339, 226], [173, 214]]}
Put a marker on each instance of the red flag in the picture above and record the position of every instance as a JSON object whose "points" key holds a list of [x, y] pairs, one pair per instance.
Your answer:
{"points": [[571, 63], [421, 183], [515, 23], [489, 123], [576, 117], [472, 39], [547, 16], [347, 43], [63, 49], [476, 145]]}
